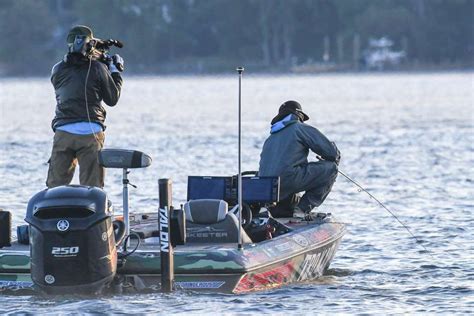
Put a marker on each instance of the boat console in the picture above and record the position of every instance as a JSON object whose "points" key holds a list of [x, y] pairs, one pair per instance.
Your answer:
{"points": [[257, 192]]}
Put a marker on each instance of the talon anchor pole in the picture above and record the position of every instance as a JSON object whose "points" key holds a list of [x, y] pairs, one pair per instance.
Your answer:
{"points": [[166, 247]]}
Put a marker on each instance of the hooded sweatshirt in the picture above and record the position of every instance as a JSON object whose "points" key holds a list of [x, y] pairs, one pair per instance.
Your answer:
{"points": [[288, 147]]}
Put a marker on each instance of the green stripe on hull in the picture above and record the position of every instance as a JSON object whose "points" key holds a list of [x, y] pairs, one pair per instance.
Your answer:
{"points": [[14, 262], [23, 277]]}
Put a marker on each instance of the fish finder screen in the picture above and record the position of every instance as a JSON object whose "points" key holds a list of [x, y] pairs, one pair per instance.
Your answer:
{"points": [[207, 188], [260, 189]]}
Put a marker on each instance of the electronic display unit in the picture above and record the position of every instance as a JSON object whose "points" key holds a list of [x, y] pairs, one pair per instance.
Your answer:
{"points": [[208, 187], [260, 189]]}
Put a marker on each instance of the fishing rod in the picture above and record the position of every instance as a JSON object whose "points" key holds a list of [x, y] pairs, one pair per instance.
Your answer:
{"points": [[386, 208]]}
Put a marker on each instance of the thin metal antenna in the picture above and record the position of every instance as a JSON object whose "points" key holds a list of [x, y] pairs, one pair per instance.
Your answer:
{"points": [[239, 177], [391, 213]]}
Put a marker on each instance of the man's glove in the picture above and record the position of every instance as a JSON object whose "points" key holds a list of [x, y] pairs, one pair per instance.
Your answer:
{"points": [[116, 64]]}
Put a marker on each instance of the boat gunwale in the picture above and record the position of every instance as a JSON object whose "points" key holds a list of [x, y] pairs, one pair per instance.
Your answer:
{"points": [[242, 270], [270, 262]]}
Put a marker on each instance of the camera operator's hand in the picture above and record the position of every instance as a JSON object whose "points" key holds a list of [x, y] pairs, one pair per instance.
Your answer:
{"points": [[116, 64]]}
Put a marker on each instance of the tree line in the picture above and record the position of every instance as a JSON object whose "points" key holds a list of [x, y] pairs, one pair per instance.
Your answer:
{"points": [[167, 36]]}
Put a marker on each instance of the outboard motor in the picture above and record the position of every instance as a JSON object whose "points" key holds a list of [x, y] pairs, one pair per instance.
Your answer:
{"points": [[71, 240]]}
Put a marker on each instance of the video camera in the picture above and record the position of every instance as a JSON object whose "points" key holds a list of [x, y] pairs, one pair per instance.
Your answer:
{"points": [[100, 50], [96, 49]]}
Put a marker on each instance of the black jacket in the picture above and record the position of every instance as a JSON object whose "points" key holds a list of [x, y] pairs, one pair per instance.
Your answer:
{"points": [[68, 78]]}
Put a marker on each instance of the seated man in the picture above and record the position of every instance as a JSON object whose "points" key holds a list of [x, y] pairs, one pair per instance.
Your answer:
{"points": [[285, 154]]}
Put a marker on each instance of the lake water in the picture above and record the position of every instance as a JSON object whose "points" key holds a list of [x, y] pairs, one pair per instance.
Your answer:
{"points": [[408, 138]]}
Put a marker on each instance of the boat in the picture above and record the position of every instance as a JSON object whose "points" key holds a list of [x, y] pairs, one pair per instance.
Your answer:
{"points": [[301, 254], [223, 239], [274, 251]]}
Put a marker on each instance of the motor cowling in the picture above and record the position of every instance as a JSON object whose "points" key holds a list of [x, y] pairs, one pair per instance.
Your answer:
{"points": [[72, 240]]}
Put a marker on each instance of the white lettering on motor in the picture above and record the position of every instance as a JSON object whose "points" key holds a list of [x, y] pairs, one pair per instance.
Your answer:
{"points": [[164, 230], [65, 251]]}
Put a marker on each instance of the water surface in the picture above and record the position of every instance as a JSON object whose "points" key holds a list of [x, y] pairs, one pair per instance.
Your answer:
{"points": [[408, 138]]}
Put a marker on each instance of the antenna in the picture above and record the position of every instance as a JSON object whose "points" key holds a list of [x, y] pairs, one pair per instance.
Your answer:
{"points": [[240, 70]]}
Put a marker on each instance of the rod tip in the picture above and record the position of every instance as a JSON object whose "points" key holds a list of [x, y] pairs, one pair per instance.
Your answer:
{"points": [[240, 69]]}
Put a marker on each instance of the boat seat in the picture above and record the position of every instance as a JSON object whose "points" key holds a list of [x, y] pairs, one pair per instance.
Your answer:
{"points": [[209, 221]]}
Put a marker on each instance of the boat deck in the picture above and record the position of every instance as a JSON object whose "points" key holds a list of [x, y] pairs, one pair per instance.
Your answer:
{"points": [[16, 247]]}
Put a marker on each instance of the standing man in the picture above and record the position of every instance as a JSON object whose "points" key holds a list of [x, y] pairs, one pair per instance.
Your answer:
{"points": [[80, 84], [285, 154]]}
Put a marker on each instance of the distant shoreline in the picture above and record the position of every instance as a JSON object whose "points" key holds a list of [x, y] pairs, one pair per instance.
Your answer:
{"points": [[250, 72]]}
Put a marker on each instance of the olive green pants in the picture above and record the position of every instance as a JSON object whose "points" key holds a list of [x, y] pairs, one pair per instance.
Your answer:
{"points": [[69, 150]]}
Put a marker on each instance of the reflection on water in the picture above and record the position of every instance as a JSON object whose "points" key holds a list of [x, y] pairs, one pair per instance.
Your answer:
{"points": [[407, 138]]}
